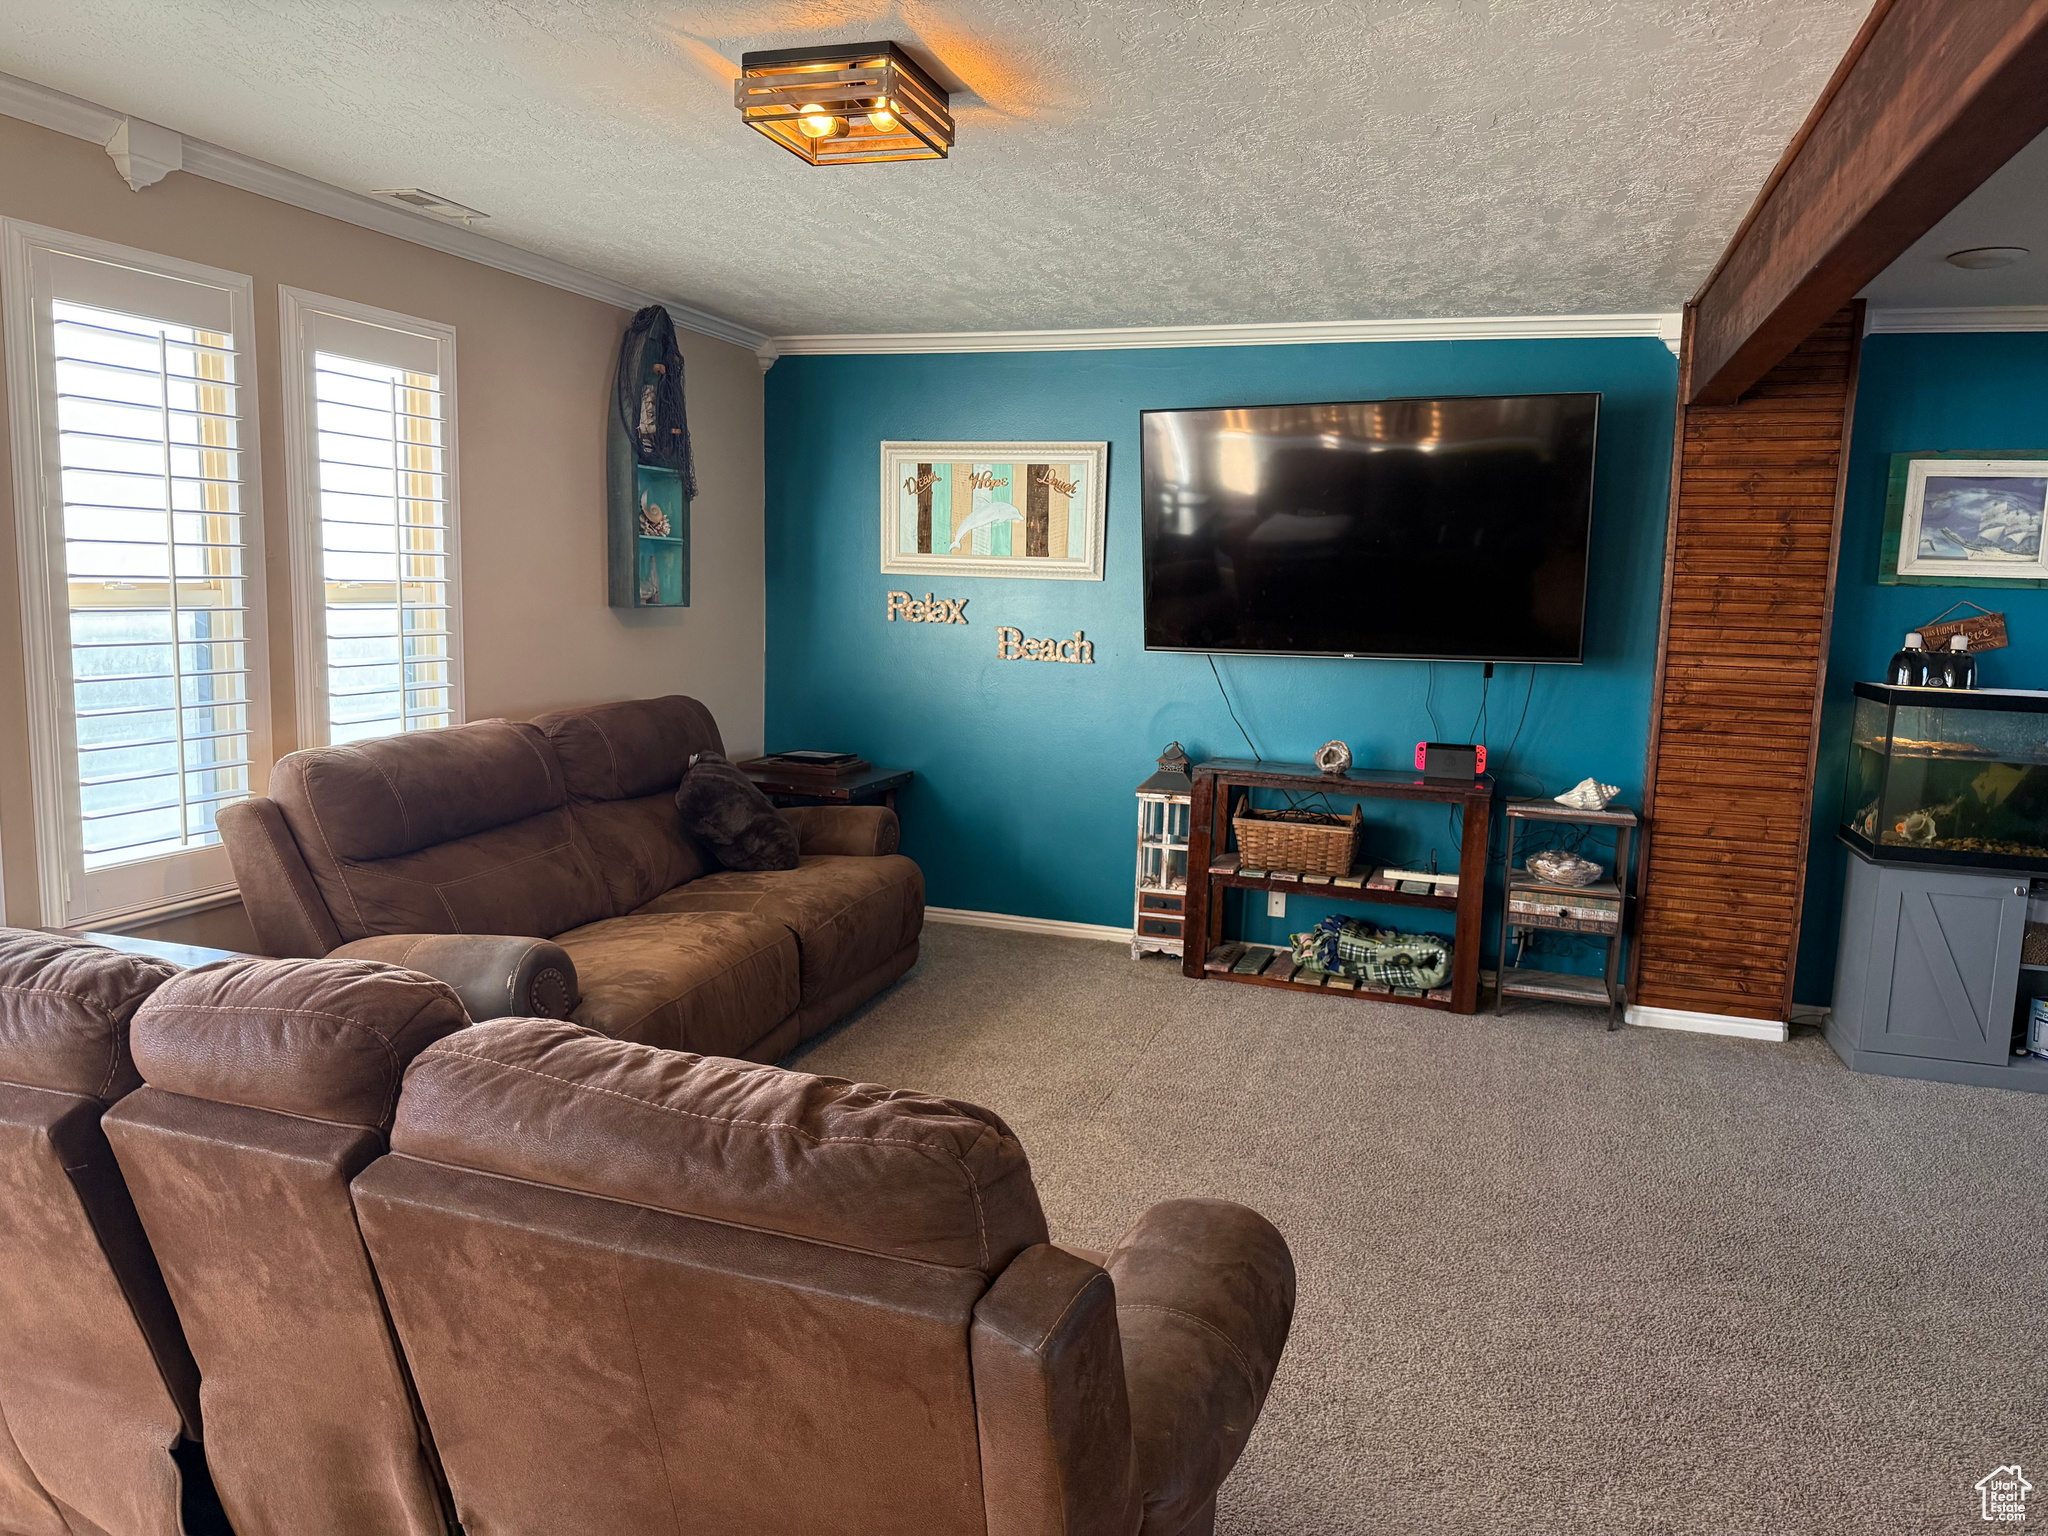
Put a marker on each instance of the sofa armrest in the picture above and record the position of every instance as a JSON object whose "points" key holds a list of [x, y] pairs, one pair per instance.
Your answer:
{"points": [[286, 910], [1204, 1298], [495, 975], [1050, 1402], [862, 830]]}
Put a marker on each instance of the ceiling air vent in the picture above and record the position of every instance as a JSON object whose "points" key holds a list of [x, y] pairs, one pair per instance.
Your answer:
{"points": [[428, 202]]}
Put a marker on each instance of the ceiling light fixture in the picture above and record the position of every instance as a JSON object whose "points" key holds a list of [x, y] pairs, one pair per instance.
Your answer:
{"points": [[1980, 257], [848, 104]]}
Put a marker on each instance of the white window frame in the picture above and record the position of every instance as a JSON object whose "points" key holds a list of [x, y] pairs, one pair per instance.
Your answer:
{"points": [[172, 884], [296, 311]]}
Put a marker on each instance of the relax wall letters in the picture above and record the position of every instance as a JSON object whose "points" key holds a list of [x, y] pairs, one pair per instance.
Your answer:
{"points": [[933, 610], [1012, 646]]}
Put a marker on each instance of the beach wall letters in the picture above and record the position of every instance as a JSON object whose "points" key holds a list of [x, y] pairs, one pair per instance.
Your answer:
{"points": [[932, 610], [1012, 646]]}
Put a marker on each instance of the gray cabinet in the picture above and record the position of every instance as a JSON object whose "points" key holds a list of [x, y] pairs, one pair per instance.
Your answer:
{"points": [[1927, 979]]}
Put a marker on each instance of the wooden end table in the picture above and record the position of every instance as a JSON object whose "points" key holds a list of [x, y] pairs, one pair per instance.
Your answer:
{"points": [[1608, 990], [868, 787]]}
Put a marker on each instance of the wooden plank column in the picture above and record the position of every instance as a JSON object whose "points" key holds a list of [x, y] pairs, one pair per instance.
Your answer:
{"points": [[1749, 578]]}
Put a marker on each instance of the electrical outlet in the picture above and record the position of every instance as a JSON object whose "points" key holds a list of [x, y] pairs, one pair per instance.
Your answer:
{"points": [[1276, 903]]}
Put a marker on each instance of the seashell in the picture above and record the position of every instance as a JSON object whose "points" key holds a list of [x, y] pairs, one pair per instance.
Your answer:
{"points": [[1589, 795], [1562, 868], [1333, 757], [653, 521]]}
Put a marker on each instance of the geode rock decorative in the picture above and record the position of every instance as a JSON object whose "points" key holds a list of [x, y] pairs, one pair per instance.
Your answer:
{"points": [[1562, 868], [1589, 795], [1333, 757]]}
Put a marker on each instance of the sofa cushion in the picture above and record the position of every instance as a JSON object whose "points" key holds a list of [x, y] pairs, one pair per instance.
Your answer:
{"points": [[632, 748], [640, 847], [621, 764], [466, 830], [320, 1039], [725, 811], [904, 1175], [715, 982], [849, 915], [65, 1008]]}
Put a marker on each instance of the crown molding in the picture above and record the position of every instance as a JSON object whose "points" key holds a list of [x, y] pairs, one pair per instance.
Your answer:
{"points": [[82, 119], [1664, 327], [2005, 317]]}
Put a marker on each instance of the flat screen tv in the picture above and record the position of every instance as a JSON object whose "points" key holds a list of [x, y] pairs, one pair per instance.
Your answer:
{"points": [[1452, 529]]}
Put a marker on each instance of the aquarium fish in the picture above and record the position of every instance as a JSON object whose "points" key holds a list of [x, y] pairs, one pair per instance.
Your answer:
{"points": [[1916, 828]]}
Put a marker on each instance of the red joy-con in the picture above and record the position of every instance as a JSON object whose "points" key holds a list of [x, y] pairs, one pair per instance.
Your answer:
{"points": [[1421, 753], [1481, 768]]}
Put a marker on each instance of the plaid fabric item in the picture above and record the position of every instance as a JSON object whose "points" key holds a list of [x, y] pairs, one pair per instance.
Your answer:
{"points": [[1348, 946]]}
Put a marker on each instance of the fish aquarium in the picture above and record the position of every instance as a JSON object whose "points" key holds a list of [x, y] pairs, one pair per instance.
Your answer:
{"points": [[1942, 777]]}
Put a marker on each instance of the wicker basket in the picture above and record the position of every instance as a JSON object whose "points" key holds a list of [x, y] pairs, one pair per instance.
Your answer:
{"points": [[1301, 842], [2034, 946]]}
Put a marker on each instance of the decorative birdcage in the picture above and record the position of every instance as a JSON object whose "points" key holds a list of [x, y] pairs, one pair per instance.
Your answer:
{"points": [[1165, 804]]}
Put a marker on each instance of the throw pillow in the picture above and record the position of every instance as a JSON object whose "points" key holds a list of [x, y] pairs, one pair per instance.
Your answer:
{"points": [[724, 810]]}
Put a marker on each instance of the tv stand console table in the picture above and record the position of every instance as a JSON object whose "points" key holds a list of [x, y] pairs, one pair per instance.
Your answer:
{"points": [[1223, 783]]}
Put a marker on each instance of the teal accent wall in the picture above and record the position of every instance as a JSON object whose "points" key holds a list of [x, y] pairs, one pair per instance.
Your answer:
{"points": [[1025, 771], [1970, 390]]}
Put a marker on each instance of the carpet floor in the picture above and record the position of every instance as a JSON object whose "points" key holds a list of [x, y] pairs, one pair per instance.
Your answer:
{"points": [[1552, 1279]]}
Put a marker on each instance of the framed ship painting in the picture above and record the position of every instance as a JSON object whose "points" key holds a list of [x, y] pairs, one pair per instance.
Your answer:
{"points": [[1966, 519], [994, 509]]}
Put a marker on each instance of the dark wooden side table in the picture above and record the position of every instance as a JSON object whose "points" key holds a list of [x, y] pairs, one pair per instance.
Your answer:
{"points": [[1212, 870], [868, 787]]}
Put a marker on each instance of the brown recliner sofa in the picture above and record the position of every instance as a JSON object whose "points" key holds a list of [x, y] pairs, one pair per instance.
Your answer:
{"points": [[268, 1085], [565, 829], [98, 1390], [645, 1291]]}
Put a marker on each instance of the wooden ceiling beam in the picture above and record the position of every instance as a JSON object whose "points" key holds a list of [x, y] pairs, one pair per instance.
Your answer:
{"points": [[1931, 98]]}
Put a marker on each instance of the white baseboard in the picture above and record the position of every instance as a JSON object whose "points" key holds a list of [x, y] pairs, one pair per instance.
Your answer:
{"points": [[1707, 1023], [1004, 920]]}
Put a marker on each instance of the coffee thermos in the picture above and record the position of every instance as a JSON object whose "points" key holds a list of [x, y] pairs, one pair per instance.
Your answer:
{"points": [[1917, 667], [1909, 667], [1958, 668]]}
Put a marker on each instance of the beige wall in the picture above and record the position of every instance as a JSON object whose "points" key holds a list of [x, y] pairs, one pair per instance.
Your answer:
{"points": [[534, 372]]}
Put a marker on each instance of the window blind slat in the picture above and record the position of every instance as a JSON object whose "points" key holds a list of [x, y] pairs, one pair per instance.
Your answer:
{"points": [[150, 477], [384, 523]]}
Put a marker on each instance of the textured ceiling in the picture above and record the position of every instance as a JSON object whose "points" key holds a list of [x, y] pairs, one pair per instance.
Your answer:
{"points": [[1156, 162], [2011, 208]]}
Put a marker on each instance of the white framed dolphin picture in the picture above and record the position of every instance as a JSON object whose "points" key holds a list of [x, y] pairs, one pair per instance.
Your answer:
{"points": [[1035, 510]]}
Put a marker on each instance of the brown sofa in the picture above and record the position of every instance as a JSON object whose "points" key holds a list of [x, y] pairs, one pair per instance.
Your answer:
{"points": [[635, 1288], [565, 829], [98, 1390], [269, 1084], [641, 1290]]}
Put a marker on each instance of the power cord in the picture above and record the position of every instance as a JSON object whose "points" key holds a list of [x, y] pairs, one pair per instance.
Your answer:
{"points": [[1247, 735], [1479, 719]]}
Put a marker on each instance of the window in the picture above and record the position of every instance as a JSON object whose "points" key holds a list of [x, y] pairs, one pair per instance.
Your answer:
{"points": [[370, 429], [139, 525]]}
